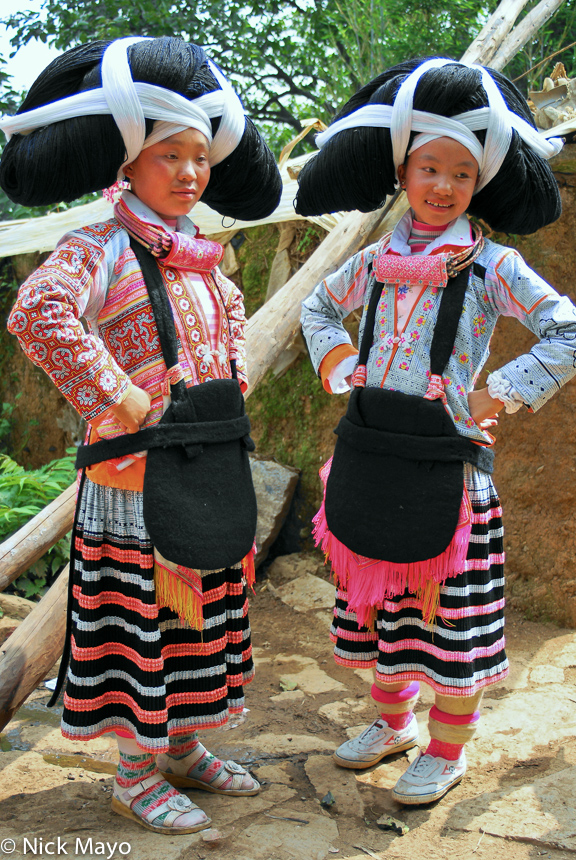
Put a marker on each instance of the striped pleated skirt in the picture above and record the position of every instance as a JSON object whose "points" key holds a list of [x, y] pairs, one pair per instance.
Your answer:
{"points": [[463, 650], [135, 666]]}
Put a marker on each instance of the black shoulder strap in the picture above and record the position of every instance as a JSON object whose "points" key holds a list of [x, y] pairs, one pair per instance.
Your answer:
{"points": [[449, 313]]}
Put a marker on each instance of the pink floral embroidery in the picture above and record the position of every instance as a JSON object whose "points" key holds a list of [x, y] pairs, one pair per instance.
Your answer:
{"points": [[463, 358], [427, 305], [404, 365], [420, 320], [461, 390]]}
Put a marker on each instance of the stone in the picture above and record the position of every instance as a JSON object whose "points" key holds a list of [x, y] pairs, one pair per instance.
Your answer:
{"points": [[7, 627], [285, 568], [516, 726], [288, 697], [274, 485], [547, 675], [342, 713], [291, 838], [307, 592], [542, 813], [15, 607], [327, 777], [294, 744], [310, 679]]}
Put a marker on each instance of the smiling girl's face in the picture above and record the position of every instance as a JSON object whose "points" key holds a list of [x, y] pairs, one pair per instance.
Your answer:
{"points": [[439, 178], [170, 176]]}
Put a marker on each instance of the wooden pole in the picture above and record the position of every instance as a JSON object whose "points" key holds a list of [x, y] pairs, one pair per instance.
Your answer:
{"points": [[493, 32], [31, 651], [30, 542], [529, 25]]}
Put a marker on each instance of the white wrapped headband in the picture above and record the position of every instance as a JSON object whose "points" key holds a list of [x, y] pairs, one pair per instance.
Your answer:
{"points": [[130, 103], [402, 119]]}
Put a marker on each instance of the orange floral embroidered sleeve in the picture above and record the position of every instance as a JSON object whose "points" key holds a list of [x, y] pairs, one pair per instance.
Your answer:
{"points": [[46, 321]]}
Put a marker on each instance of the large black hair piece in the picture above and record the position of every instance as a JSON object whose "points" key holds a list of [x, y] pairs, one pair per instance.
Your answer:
{"points": [[64, 160], [355, 169]]}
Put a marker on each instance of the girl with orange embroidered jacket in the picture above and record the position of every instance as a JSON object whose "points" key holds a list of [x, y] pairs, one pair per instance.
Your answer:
{"points": [[411, 521], [151, 666]]}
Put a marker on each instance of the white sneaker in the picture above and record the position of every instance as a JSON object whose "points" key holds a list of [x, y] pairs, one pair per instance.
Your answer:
{"points": [[375, 743], [428, 779]]}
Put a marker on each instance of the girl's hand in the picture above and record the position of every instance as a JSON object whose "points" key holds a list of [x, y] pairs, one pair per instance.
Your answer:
{"points": [[133, 409], [484, 408], [131, 412]]}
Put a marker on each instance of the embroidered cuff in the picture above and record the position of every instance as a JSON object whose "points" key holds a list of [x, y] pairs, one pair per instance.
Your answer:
{"points": [[501, 389], [337, 377]]}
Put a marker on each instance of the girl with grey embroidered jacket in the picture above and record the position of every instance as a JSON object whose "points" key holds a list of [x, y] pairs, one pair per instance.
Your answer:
{"points": [[459, 140]]}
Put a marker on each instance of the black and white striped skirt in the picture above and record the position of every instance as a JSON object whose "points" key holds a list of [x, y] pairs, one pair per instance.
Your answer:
{"points": [[463, 650], [135, 666]]}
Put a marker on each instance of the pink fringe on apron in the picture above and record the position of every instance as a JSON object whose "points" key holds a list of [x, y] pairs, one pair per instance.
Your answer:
{"points": [[368, 582]]}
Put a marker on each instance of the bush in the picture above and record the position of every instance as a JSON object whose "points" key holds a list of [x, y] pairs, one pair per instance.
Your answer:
{"points": [[23, 494]]}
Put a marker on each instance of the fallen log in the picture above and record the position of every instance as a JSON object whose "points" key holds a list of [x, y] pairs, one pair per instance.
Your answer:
{"points": [[31, 651], [30, 542]]}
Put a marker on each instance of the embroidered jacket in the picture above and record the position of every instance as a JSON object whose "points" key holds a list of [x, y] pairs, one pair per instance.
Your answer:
{"points": [[501, 284], [93, 274]]}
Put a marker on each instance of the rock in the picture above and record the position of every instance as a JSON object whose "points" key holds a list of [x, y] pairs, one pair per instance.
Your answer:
{"points": [[328, 779], [15, 607], [310, 679], [274, 485], [386, 822], [275, 744], [7, 627], [342, 713], [542, 813], [285, 568], [307, 592], [288, 697], [289, 839]]}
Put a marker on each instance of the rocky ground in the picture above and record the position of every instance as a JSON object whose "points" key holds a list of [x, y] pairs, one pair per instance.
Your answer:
{"points": [[517, 801]]}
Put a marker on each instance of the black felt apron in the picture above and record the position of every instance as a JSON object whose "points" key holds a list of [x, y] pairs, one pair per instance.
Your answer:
{"points": [[396, 482]]}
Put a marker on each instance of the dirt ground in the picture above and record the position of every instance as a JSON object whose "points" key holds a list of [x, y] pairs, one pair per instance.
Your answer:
{"points": [[516, 801]]}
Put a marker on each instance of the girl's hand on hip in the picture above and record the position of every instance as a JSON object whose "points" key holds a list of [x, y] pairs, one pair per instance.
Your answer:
{"points": [[484, 408], [133, 409]]}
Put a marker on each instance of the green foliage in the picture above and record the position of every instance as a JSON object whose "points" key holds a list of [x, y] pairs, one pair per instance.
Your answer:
{"points": [[23, 494], [289, 59]]}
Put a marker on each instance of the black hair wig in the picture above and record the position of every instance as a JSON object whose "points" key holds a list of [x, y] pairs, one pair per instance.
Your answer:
{"points": [[355, 169], [64, 160]]}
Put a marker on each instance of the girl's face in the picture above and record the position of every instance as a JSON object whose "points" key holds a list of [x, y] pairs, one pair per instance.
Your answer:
{"points": [[439, 178], [170, 176]]}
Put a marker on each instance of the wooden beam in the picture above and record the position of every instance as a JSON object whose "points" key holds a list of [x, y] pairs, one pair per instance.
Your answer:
{"points": [[31, 651], [30, 542]]}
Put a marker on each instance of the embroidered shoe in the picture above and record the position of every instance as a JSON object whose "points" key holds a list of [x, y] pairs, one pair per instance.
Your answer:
{"points": [[428, 779], [375, 743]]}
